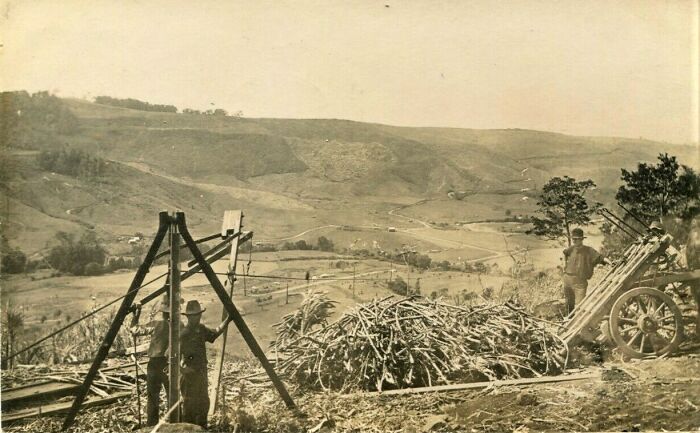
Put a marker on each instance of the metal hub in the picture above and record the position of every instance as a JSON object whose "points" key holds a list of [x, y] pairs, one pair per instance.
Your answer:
{"points": [[647, 324]]}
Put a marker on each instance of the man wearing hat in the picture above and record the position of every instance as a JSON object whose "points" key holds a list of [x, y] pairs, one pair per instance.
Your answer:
{"points": [[157, 370], [193, 380], [579, 262]]}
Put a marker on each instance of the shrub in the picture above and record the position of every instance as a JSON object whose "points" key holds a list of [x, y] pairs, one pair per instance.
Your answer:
{"points": [[325, 244], [72, 162], [398, 286], [92, 269], [14, 261]]}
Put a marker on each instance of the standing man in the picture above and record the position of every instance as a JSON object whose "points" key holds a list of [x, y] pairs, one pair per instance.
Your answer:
{"points": [[157, 370], [193, 380], [579, 262]]}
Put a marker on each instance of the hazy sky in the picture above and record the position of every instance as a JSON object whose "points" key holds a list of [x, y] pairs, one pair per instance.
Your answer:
{"points": [[622, 68]]}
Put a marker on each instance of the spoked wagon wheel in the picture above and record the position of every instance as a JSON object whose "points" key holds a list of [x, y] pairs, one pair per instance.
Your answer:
{"points": [[646, 322]]}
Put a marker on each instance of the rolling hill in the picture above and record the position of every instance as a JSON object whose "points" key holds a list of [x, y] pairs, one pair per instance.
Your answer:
{"points": [[288, 174]]}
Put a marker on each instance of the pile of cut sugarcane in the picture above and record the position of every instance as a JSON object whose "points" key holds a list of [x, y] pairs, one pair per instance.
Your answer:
{"points": [[409, 342], [314, 310]]}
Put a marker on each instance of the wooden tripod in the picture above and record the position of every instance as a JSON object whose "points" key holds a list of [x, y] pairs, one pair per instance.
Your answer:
{"points": [[176, 225]]}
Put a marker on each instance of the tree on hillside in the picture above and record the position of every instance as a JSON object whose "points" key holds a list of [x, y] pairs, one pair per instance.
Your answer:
{"points": [[302, 245], [71, 256], [654, 191], [14, 261], [325, 244], [34, 121], [668, 192], [563, 205], [72, 162], [135, 104]]}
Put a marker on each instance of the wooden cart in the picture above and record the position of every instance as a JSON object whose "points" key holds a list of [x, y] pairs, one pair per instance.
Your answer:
{"points": [[633, 304]]}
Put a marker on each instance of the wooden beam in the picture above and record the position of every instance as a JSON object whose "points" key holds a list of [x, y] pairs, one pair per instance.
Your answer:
{"points": [[122, 312], [56, 408], [38, 390], [232, 223], [185, 275], [477, 385], [234, 313], [662, 280], [215, 248], [174, 328]]}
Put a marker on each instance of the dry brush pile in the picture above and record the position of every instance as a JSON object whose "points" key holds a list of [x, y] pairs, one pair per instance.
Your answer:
{"points": [[409, 342]]}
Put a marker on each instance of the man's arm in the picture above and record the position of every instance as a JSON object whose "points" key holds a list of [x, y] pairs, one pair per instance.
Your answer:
{"points": [[599, 259], [213, 334], [136, 329]]}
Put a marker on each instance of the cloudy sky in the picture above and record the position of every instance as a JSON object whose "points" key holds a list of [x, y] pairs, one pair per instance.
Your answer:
{"points": [[614, 68]]}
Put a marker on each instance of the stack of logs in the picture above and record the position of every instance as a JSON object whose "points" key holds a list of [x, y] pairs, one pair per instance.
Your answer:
{"points": [[409, 342]]}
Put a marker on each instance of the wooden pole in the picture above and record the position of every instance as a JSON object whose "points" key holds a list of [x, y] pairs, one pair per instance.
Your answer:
{"points": [[174, 361], [476, 385], [136, 378], [353, 280], [234, 313], [232, 223], [124, 308], [192, 271]]}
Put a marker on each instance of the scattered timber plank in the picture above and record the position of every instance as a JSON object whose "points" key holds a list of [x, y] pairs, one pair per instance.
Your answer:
{"points": [[57, 408], [477, 385], [33, 391]]}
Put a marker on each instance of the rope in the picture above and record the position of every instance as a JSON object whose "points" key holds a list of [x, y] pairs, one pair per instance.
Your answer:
{"points": [[75, 322], [277, 277]]}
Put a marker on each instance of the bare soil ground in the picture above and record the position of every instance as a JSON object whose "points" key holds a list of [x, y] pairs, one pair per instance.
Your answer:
{"points": [[649, 395]]}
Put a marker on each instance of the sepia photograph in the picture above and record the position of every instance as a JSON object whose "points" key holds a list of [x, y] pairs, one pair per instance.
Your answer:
{"points": [[357, 216]]}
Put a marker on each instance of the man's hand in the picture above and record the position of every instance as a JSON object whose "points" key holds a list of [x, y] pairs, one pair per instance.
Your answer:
{"points": [[137, 314]]}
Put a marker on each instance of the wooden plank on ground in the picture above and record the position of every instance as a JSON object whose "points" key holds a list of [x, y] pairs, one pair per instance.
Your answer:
{"points": [[57, 408], [477, 385], [33, 391]]}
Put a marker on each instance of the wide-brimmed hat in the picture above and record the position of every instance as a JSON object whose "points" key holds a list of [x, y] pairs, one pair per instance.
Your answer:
{"points": [[193, 308], [577, 234]]}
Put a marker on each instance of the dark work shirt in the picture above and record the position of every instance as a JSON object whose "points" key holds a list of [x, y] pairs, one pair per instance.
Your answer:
{"points": [[580, 261], [159, 330], [192, 348]]}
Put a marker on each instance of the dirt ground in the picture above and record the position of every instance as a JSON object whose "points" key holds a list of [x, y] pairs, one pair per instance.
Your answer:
{"points": [[641, 395]]}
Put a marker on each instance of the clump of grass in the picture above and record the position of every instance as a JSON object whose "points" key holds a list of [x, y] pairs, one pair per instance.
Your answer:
{"points": [[12, 327], [77, 343]]}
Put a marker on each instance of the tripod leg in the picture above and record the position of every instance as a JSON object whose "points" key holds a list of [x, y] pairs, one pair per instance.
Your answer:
{"points": [[118, 320], [233, 312]]}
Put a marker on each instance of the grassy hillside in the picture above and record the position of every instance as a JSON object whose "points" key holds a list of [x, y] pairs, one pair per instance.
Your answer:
{"points": [[368, 158], [289, 174]]}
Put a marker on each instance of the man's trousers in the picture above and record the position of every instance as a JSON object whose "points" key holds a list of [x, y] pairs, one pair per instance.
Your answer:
{"points": [[194, 388], [156, 377], [574, 290]]}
